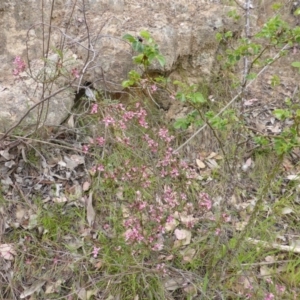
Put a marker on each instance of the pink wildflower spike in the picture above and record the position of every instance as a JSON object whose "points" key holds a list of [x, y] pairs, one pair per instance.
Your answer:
{"points": [[280, 288], [95, 251], [20, 66], [205, 201], [108, 120], [94, 109], [100, 168], [157, 247], [85, 148], [153, 88], [75, 73], [106, 226], [269, 296], [100, 141]]}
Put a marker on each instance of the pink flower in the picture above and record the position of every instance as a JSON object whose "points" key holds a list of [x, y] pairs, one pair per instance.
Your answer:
{"points": [[151, 143], [133, 235], [95, 251], [226, 217], [153, 88], [142, 205], [217, 231], [170, 219], [157, 247], [106, 226], [205, 201], [174, 173], [269, 296], [128, 115], [100, 168], [280, 288], [20, 65], [108, 120], [94, 109], [75, 73], [85, 148], [100, 141], [164, 135]]}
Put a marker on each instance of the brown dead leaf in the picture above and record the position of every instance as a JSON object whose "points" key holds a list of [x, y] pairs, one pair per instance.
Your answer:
{"points": [[184, 236], [188, 254], [239, 226], [61, 199], [73, 161], [36, 287], [70, 122], [265, 271], [171, 225], [7, 251], [82, 294], [174, 283], [90, 212], [200, 164], [212, 155], [5, 154], [212, 164], [98, 265], [191, 290], [20, 213], [53, 287], [86, 186]]}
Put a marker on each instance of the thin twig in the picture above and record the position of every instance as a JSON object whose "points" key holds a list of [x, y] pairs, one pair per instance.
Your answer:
{"points": [[276, 246]]}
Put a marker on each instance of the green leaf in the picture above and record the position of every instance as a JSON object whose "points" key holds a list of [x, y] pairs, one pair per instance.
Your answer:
{"points": [[129, 38], [145, 34], [297, 12], [297, 38], [139, 59], [197, 98], [251, 76], [297, 113], [218, 36], [296, 64], [275, 80], [228, 34], [161, 79], [133, 75], [181, 96], [281, 114], [161, 59], [288, 101], [60, 53], [261, 141], [276, 6], [138, 46], [182, 123], [151, 57], [281, 146], [127, 83]]}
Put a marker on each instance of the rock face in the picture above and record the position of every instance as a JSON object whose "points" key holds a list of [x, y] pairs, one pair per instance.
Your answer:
{"points": [[81, 41]]}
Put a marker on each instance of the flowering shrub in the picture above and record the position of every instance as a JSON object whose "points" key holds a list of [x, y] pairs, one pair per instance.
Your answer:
{"points": [[154, 182]]}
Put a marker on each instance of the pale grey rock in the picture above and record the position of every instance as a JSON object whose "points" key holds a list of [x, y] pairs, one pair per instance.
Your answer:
{"points": [[184, 30]]}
